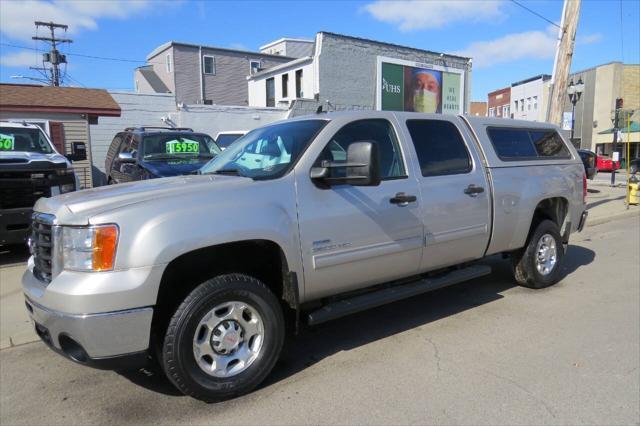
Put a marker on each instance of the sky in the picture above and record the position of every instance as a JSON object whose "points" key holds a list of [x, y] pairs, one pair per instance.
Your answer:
{"points": [[507, 42]]}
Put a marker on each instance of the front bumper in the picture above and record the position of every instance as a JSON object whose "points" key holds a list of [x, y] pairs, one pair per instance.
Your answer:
{"points": [[105, 340], [15, 225], [94, 318]]}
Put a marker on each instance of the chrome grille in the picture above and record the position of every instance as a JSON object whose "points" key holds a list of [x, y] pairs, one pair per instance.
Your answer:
{"points": [[41, 245]]}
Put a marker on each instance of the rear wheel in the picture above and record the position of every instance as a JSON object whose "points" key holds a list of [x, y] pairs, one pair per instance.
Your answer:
{"points": [[224, 339], [538, 265]]}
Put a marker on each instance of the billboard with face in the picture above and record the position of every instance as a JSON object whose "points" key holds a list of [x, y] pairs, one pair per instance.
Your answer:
{"points": [[409, 86]]}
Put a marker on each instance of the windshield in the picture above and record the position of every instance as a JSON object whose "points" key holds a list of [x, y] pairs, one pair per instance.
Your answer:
{"points": [[178, 146], [224, 141], [15, 139], [267, 152]]}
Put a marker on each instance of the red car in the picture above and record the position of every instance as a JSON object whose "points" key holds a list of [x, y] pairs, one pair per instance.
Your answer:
{"points": [[604, 163]]}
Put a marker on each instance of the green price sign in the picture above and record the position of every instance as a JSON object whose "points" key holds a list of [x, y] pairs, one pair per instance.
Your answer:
{"points": [[6, 142], [182, 147]]}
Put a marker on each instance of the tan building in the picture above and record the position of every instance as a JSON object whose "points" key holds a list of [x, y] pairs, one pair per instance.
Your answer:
{"points": [[478, 108], [64, 113], [594, 110]]}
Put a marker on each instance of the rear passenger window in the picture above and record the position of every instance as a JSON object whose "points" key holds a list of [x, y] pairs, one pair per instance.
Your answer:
{"points": [[549, 144], [512, 144], [524, 144], [440, 148]]}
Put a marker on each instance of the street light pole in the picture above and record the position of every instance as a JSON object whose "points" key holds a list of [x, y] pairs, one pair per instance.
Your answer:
{"points": [[574, 91]]}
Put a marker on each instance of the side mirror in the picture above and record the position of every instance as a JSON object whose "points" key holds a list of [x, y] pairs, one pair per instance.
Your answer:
{"points": [[591, 172], [362, 167], [126, 157], [78, 151]]}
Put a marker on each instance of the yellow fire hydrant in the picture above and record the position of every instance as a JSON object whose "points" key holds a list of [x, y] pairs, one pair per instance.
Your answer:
{"points": [[633, 193]]}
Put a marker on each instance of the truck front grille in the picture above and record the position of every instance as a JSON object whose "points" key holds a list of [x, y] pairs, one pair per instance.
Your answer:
{"points": [[22, 189], [41, 245]]}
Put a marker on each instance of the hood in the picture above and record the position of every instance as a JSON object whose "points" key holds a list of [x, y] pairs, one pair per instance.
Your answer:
{"points": [[167, 169], [22, 157], [75, 208]]}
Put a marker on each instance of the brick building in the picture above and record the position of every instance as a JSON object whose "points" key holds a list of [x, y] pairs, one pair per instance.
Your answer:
{"points": [[499, 103]]}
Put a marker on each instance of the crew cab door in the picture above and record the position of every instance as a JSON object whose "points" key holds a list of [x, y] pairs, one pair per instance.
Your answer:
{"points": [[356, 236], [455, 192]]}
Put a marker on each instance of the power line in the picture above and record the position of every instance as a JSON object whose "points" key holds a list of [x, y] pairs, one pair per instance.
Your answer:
{"points": [[79, 55], [537, 14]]}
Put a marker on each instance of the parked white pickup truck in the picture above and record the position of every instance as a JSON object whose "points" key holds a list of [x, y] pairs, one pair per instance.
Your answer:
{"points": [[301, 221]]}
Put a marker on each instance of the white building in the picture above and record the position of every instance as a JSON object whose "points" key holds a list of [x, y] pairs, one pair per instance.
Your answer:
{"points": [[291, 47], [529, 98], [279, 85], [354, 73]]}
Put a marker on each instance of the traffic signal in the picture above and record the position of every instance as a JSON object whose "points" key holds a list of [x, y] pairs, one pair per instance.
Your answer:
{"points": [[619, 103]]}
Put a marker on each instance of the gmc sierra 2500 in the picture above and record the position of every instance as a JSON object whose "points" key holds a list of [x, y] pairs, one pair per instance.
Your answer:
{"points": [[304, 220]]}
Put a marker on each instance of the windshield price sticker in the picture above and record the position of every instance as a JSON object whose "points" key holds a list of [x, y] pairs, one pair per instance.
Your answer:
{"points": [[6, 142], [182, 147]]}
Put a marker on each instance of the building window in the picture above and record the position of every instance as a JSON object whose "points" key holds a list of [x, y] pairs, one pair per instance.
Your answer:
{"points": [[299, 93], [137, 86], [516, 106], [521, 105], [208, 65], [505, 111], [491, 112], [254, 66], [168, 60], [535, 102], [271, 92], [285, 85], [528, 104]]}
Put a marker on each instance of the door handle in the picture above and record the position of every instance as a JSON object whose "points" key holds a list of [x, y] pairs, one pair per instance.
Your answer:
{"points": [[403, 199], [473, 190]]}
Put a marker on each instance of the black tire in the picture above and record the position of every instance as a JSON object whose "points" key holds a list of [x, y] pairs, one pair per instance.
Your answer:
{"points": [[178, 358], [524, 261]]}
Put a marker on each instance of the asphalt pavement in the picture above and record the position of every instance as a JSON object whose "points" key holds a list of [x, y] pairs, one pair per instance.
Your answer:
{"points": [[482, 352]]}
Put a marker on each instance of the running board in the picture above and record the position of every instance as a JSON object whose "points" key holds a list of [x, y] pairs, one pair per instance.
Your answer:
{"points": [[362, 302]]}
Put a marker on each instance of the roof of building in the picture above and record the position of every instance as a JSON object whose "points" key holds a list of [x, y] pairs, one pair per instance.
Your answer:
{"points": [[286, 65], [382, 43], [280, 40], [508, 88], [544, 77], [34, 98], [155, 52], [152, 78]]}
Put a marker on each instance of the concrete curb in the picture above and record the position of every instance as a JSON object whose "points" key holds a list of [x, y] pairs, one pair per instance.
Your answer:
{"points": [[601, 220]]}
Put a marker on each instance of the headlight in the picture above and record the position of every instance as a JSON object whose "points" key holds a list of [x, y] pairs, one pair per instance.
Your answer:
{"points": [[64, 172], [67, 187], [90, 248]]}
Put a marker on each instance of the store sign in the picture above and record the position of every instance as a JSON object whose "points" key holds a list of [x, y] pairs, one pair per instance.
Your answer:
{"points": [[412, 86], [567, 119]]}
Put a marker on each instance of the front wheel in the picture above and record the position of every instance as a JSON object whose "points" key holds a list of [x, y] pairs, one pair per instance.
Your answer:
{"points": [[224, 338], [539, 263]]}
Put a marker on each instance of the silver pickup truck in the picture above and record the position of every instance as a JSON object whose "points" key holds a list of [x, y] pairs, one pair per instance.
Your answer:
{"points": [[298, 222]]}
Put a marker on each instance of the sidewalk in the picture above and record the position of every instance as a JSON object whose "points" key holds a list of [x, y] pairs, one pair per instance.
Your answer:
{"points": [[15, 325], [604, 204]]}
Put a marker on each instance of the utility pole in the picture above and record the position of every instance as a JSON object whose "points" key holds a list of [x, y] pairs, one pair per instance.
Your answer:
{"points": [[54, 56], [562, 63]]}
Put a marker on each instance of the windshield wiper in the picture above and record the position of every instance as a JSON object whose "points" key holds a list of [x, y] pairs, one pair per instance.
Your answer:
{"points": [[234, 172]]}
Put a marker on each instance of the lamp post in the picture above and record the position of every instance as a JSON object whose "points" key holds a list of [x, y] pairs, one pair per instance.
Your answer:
{"points": [[574, 91]]}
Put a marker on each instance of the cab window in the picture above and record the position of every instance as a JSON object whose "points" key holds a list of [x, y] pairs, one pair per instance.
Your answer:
{"points": [[376, 130]]}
